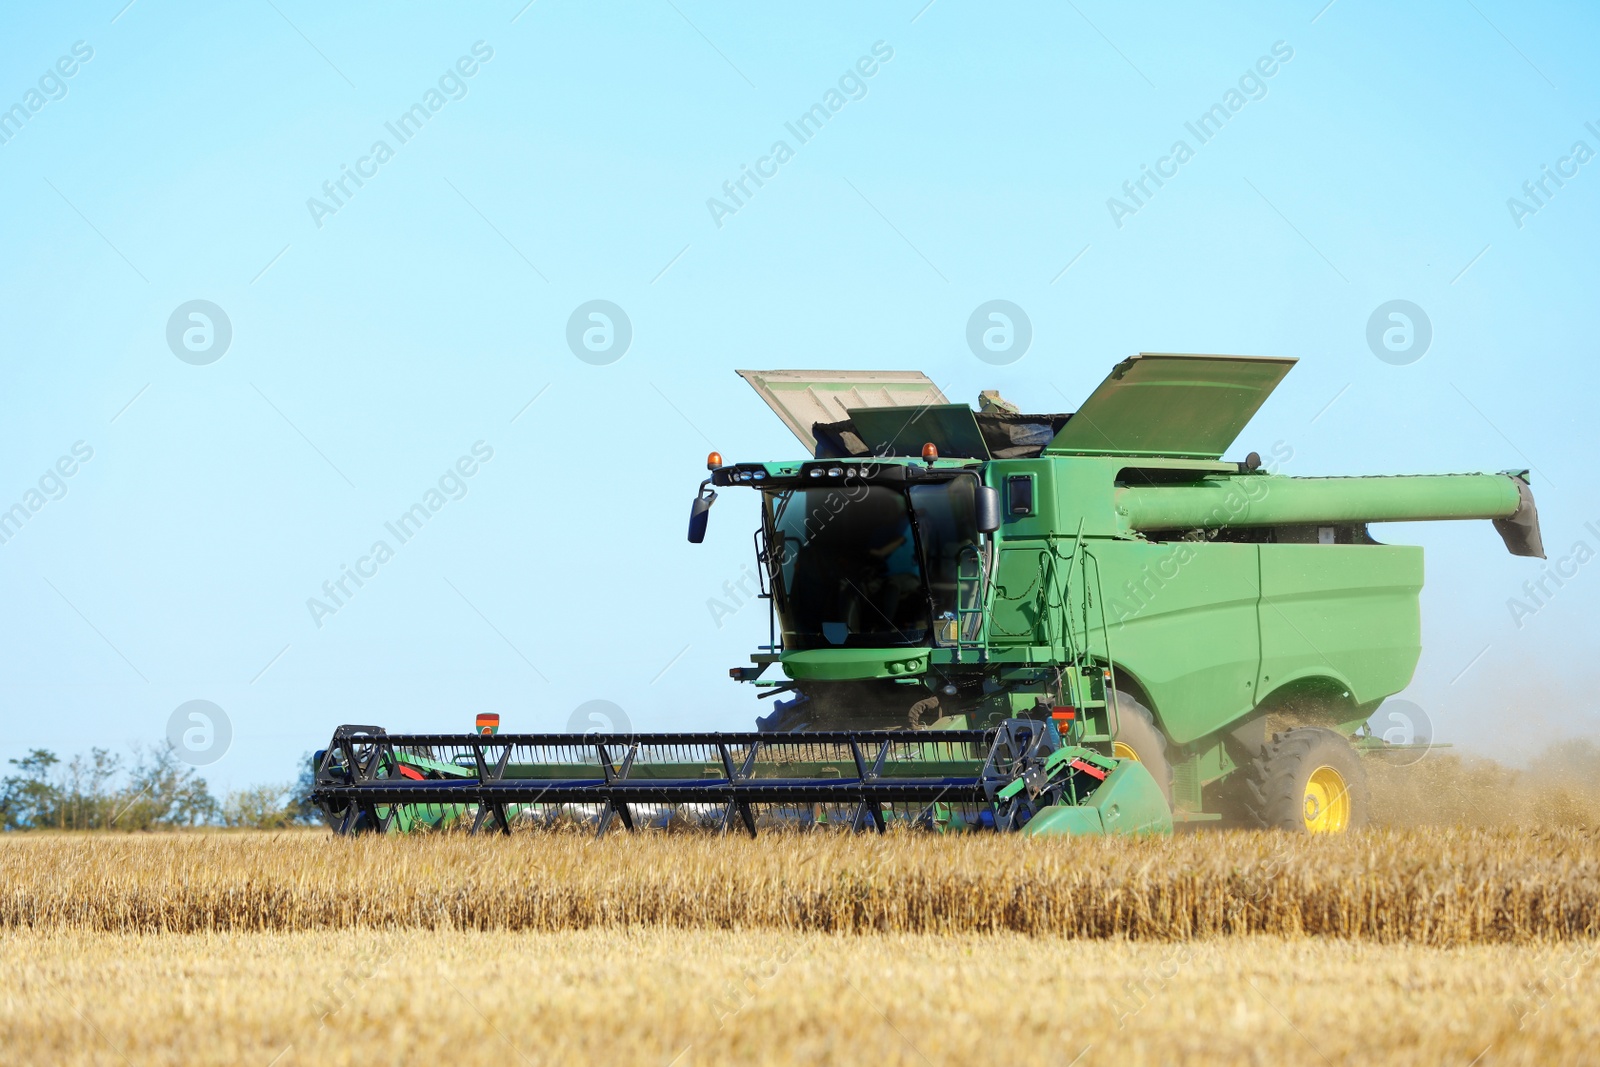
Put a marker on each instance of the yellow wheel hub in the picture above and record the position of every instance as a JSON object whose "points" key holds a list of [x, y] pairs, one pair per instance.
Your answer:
{"points": [[1327, 802], [1123, 751]]}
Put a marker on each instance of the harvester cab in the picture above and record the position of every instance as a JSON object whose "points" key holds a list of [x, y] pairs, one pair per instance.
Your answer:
{"points": [[988, 619]]}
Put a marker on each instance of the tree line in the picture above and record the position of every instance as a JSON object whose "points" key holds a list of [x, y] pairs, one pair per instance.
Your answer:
{"points": [[151, 790]]}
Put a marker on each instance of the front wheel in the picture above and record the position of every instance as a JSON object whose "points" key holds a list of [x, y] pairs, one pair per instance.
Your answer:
{"points": [[1137, 737], [1310, 781]]}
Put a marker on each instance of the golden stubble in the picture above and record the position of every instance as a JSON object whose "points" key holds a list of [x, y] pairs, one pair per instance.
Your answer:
{"points": [[678, 996]]}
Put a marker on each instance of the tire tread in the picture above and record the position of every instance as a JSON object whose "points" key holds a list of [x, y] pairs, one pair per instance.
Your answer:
{"points": [[1274, 786]]}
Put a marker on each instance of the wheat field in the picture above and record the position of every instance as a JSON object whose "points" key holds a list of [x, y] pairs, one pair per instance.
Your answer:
{"points": [[1451, 934], [1441, 887]]}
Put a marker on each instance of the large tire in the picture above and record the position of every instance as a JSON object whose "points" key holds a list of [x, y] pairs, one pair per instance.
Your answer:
{"points": [[1308, 780], [1136, 735]]}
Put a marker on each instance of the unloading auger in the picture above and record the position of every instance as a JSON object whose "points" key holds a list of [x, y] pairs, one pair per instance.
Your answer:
{"points": [[986, 619]]}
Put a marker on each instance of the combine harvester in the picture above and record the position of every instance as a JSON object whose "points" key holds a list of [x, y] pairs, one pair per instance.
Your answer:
{"points": [[992, 620]]}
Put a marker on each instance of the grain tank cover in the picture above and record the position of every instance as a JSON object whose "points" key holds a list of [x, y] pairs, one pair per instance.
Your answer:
{"points": [[952, 428], [1166, 404], [803, 398]]}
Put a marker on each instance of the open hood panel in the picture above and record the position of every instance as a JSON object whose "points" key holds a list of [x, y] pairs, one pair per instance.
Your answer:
{"points": [[803, 398], [1167, 404]]}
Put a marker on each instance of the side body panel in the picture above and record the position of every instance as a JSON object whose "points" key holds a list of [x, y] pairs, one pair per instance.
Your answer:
{"points": [[1348, 612], [1183, 618]]}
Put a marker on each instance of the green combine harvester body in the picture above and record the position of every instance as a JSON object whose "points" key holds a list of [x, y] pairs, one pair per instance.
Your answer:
{"points": [[1111, 627]]}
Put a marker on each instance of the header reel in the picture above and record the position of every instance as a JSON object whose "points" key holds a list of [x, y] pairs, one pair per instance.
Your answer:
{"points": [[1003, 778]]}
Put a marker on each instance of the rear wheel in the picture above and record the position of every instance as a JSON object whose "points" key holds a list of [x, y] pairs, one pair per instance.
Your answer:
{"points": [[1310, 781], [1136, 736]]}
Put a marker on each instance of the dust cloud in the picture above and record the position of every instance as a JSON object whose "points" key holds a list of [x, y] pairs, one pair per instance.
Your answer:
{"points": [[1558, 787]]}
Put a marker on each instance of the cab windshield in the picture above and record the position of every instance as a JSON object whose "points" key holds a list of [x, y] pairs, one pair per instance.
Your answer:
{"points": [[862, 566]]}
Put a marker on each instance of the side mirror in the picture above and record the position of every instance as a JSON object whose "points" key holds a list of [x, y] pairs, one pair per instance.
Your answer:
{"points": [[986, 504], [700, 514]]}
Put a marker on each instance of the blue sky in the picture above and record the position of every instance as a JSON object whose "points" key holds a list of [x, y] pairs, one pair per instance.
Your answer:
{"points": [[373, 346]]}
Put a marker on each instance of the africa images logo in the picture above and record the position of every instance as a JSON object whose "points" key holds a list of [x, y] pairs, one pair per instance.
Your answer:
{"points": [[199, 332]]}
